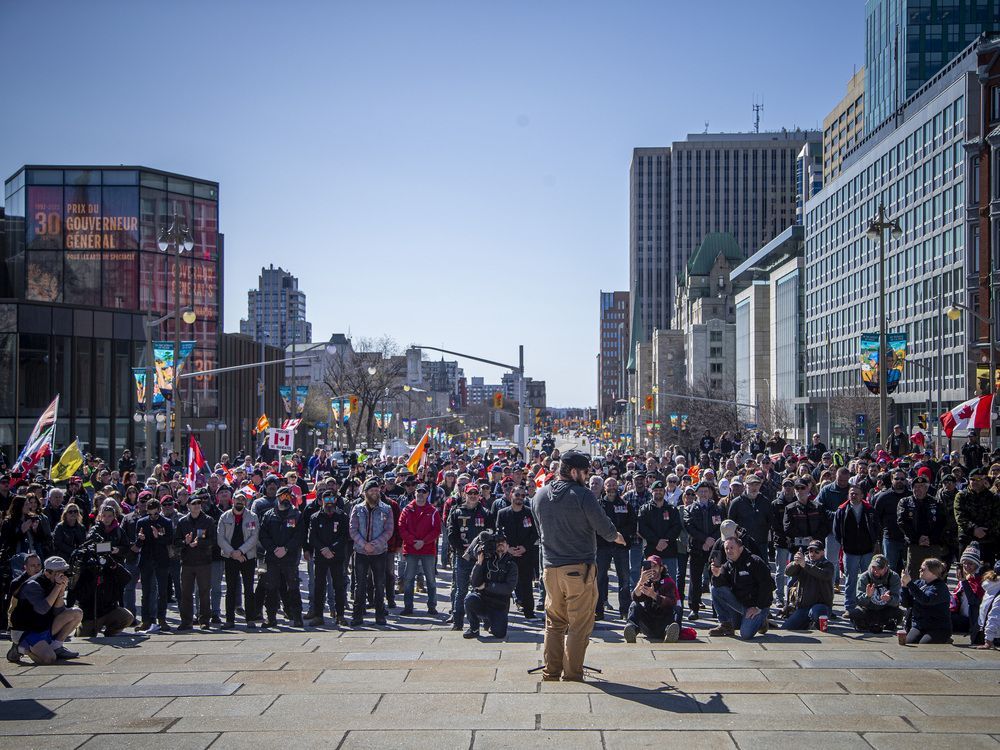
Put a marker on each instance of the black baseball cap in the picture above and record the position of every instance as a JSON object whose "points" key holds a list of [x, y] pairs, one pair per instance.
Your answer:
{"points": [[575, 459]]}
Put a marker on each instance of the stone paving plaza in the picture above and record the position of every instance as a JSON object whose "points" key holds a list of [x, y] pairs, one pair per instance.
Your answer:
{"points": [[418, 685]]}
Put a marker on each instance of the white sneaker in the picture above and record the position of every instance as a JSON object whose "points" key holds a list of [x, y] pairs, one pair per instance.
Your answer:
{"points": [[630, 632], [673, 633], [154, 628]]}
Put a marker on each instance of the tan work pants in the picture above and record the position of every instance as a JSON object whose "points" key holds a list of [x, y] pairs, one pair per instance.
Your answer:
{"points": [[570, 598]]}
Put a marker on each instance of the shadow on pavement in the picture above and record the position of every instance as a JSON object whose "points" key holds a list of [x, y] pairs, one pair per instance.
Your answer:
{"points": [[23, 710], [666, 698]]}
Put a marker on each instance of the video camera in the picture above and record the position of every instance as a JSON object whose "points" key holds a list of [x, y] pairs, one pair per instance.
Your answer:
{"points": [[92, 555], [485, 542]]}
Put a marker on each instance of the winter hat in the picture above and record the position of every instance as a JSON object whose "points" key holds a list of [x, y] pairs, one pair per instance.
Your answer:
{"points": [[728, 528], [971, 554]]}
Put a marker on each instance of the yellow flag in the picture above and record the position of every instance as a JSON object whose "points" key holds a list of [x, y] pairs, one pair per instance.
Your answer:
{"points": [[68, 463], [263, 423], [413, 462]]}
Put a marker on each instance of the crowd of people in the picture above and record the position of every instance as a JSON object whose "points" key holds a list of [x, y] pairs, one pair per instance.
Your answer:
{"points": [[744, 534]]}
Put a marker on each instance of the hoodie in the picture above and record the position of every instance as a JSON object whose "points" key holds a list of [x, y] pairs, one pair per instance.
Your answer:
{"points": [[569, 521]]}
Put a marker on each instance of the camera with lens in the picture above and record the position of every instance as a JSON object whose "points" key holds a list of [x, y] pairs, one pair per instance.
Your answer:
{"points": [[485, 542], [93, 556]]}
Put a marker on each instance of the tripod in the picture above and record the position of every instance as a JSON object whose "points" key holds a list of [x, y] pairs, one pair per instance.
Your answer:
{"points": [[585, 666]]}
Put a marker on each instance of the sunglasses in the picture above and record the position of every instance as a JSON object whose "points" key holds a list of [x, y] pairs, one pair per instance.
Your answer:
{"points": [[472, 492], [421, 492], [72, 512]]}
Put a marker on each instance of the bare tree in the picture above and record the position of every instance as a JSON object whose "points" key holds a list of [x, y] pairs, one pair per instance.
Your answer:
{"points": [[776, 414], [845, 407], [372, 372], [716, 416]]}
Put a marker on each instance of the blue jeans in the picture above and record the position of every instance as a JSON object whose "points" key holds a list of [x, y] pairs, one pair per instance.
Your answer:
{"points": [[731, 611], [895, 553], [854, 566], [781, 558], [635, 558], [605, 557], [330, 593], [413, 564], [460, 587], [154, 592], [670, 563], [477, 608], [833, 555], [801, 617]]}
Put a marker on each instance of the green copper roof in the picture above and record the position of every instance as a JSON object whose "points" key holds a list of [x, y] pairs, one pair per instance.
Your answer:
{"points": [[701, 261]]}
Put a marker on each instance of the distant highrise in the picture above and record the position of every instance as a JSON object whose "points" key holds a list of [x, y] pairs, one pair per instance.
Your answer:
{"points": [[650, 277], [743, 184], [276, 310], [908, 41], [614, 333], [844, 126], [808, 176]]}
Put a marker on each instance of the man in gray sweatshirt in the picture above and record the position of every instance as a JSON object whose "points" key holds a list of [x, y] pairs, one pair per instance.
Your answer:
{"points": [[569, 519]]}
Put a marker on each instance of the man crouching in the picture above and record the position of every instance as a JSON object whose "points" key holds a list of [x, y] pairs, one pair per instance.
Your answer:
{"points": [[654, 600], [42, 616], [491, 583]]}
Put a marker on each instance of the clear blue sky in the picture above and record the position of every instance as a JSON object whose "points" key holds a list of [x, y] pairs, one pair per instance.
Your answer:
{"points": [[453, 174]]}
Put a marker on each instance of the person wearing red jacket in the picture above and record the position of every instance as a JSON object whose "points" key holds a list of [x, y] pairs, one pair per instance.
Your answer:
{"points": [[419, 527]]}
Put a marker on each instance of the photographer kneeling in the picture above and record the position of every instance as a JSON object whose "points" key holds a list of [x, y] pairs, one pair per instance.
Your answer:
{"points": [[42, 615], [99, 589], [654, 599], [491, 584]]}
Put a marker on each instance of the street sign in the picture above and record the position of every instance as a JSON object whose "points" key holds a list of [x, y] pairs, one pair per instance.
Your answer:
{"points": [[861, 419], [282, 441], [750, 425]]}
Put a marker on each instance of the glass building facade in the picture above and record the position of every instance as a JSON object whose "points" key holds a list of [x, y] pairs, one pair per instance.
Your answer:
{"points": [[908, 41], [788, 322], [918, 171], [81, 271]]}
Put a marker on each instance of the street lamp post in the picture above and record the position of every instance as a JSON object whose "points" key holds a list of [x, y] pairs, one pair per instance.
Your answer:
{"points": [[178, 237], [877, 229], [188, 316]]}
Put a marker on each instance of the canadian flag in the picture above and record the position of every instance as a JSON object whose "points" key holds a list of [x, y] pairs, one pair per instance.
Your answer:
{"points": [[976, 413], [196, 464], [541, 478]]}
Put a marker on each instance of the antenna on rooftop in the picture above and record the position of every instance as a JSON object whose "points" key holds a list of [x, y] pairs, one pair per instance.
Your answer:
{"points": [[706, 127], [756, 115]]}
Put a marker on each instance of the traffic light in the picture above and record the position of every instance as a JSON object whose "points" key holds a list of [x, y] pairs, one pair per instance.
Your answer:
{"points": [[353, 400], [922, 420], [649, 402], [498, 400]]}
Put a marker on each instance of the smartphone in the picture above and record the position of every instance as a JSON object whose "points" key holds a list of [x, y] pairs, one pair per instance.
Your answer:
{"points": [[104, 546], [647, 564]]}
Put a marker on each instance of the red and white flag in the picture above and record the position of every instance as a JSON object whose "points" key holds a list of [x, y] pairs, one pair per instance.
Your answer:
{"points": [[976, 413], [39, 442], [196, 464], [291, 424], [541, 478]]}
